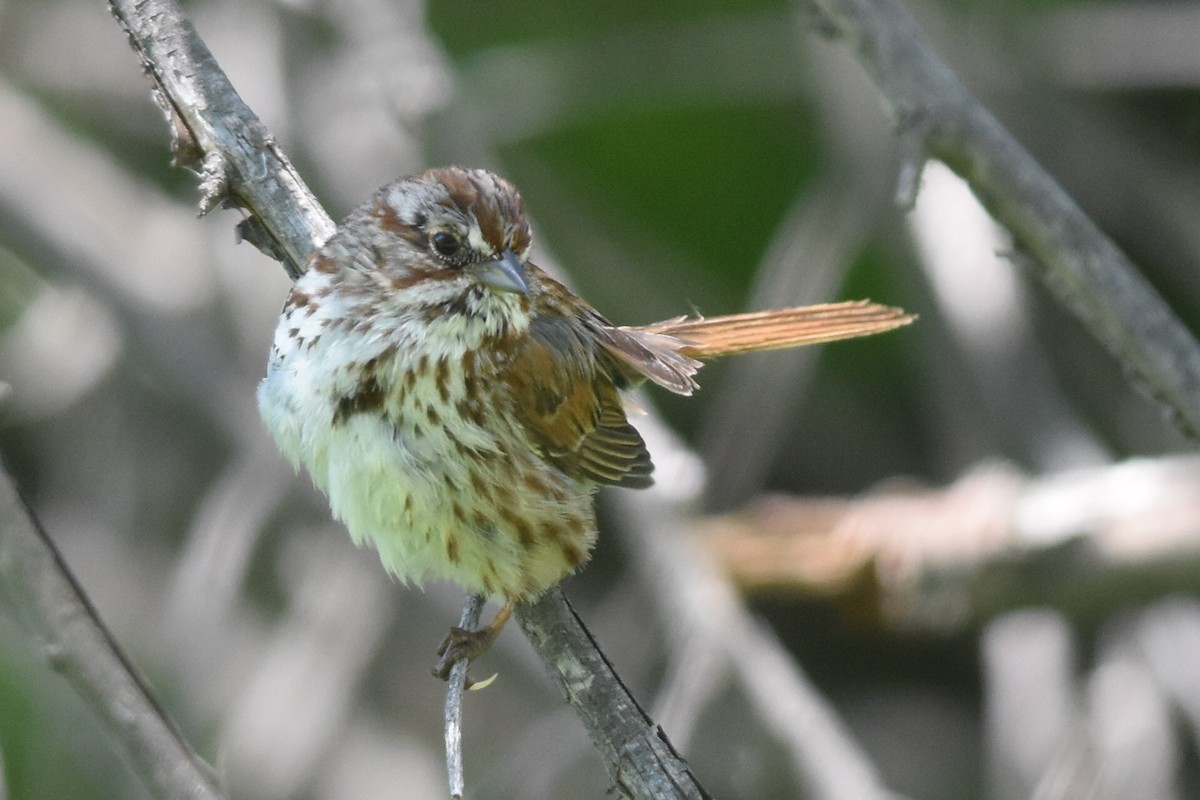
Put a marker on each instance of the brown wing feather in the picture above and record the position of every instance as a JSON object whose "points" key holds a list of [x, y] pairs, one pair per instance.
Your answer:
{"points": [[657, 356], [567, 399]]}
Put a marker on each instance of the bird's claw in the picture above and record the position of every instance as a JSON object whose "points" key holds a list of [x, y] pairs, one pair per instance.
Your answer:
{"points": [[462, 645]]}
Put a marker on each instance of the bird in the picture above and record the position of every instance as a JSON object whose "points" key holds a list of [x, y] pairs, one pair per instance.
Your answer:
{"points": [[459, 407]]}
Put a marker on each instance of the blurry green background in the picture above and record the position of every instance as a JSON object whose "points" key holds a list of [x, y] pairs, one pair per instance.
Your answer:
{"points": [[711, 156]]}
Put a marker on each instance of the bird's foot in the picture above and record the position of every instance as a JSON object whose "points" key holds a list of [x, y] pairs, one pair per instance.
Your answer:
{"points": [[465, 645], [461, 645]]}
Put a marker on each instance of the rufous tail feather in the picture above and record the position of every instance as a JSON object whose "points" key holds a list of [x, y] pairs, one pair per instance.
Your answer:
{"points": [[712, 337]]}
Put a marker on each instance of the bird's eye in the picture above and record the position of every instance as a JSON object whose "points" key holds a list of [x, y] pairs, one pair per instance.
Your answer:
{"points": [[446, 244]]}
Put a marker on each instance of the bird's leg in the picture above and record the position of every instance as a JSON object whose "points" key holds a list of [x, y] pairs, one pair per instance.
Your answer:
{"points": [[462, 644]]}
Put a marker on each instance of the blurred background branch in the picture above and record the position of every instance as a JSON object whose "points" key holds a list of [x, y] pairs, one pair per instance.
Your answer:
{"points": [[1087, 543], [37, 585], [1081, 266]]}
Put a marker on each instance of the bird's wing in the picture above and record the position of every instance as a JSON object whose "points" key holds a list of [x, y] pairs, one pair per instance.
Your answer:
{"points": [[566, 396]]}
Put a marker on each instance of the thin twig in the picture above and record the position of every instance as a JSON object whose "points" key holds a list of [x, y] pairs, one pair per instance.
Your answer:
{"points": [[38, 586], [456, 686], [639, 759], [1080, 265]]}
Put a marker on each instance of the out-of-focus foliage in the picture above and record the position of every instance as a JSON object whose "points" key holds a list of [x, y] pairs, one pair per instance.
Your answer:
{"points": [[711, 155]]}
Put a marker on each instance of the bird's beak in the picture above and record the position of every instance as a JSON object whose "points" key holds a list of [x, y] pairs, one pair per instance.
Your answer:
{"points": [[504, 274]]}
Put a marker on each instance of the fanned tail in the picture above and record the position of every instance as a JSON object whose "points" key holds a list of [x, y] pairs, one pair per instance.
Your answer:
{"points": [[712, 337], [670, 352]]}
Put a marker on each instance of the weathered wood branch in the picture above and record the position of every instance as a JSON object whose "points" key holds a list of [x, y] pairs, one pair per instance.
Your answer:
{"points": [[640, 760], [216, 133]]}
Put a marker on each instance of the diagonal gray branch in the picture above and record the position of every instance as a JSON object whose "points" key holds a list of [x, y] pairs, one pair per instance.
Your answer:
{"points": [[37, 585], [640, 760], [1088, 274], [214, 131]]}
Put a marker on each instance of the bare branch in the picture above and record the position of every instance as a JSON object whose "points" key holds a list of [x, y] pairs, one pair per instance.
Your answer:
{"points": [[636, 753], [39, 587], [1080, 265], [215, 132]]}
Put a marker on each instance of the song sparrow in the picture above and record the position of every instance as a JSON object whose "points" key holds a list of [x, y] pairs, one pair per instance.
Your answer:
{"points": [[459, 407]]}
